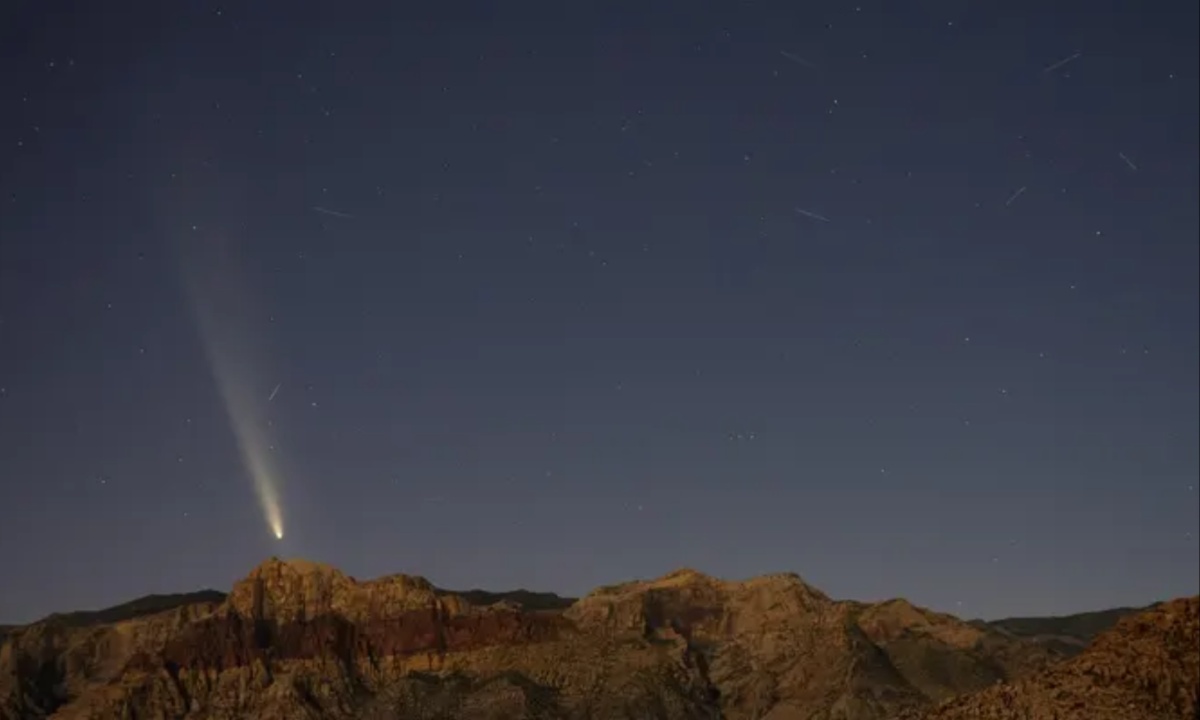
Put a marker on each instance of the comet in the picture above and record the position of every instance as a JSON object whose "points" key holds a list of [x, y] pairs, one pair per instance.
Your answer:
{"points": [[222, 300]]}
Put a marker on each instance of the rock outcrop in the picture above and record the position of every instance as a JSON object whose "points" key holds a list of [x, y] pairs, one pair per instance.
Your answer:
{"points": [[297, 639], [50, 663], [1147, 667]]}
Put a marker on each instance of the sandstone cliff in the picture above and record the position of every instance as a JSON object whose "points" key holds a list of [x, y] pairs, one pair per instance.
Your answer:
{"points": [[65, 656], [301, 640]]}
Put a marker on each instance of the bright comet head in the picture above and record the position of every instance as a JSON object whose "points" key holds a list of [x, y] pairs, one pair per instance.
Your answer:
{"points": [[220, 296]]}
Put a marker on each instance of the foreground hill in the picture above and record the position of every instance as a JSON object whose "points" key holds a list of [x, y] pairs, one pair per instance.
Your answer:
{"points": [[1147, 667], [301, 640]]}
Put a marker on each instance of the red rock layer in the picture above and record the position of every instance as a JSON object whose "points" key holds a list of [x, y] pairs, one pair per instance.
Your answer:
{"points": [[226, 641]]}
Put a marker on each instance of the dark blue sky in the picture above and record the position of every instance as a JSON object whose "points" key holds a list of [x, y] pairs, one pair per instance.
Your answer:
{"points": [[559, 294]]}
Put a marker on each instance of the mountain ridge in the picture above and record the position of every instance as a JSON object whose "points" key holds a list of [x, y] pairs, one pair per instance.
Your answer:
{"points": [[1079, 625], [296, 638]]}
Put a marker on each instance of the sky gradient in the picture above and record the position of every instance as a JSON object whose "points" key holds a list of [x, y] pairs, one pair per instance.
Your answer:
{"points": [[902, 299]]}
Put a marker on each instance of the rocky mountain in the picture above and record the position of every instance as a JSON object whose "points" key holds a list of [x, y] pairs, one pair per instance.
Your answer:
{"points": [[296, 639], [1147, 667]]}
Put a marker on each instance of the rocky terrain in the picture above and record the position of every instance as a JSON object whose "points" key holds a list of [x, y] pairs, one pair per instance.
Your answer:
{"points": [[297, 639], [1147, 667]]}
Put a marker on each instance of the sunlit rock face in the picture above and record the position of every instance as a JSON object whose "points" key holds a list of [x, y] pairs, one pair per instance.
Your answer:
{"points": [[296, 639]]}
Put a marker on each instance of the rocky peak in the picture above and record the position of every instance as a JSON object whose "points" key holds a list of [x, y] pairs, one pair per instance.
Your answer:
{"points": [[299, 590], [787, 588], [1173, 624], [1158, 649], [887, 621], [683, 576], [687, 600]]}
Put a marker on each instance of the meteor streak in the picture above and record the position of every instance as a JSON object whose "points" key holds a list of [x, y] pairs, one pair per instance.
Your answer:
{"points": [[1060, 63], [811, 214], [335, 213], [797, 59]]}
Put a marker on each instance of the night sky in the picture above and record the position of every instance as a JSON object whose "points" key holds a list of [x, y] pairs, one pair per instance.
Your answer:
{"points": [[901, 297]]}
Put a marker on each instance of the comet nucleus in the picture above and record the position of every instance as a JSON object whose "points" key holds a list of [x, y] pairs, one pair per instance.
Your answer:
{"points": [[221, 299]]}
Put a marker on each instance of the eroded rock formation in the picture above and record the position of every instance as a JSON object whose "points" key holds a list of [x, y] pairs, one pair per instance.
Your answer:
{"points": [[302, 640], [1146, 668]]}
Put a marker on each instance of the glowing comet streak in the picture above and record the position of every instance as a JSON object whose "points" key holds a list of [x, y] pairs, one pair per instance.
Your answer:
{"points": [[248, 428], [220, 298]]}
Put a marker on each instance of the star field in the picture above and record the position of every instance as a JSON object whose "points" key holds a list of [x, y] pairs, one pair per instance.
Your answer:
{"points": [[900, 297]]}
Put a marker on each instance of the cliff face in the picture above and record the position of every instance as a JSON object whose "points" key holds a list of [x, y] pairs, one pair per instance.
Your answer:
{"points": [[940, 655], [53, 661], [297, 639], [1147, 667], [301, 640]]}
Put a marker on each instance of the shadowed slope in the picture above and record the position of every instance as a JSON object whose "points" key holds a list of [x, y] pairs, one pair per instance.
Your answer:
{"points": [[1067, 634]]}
